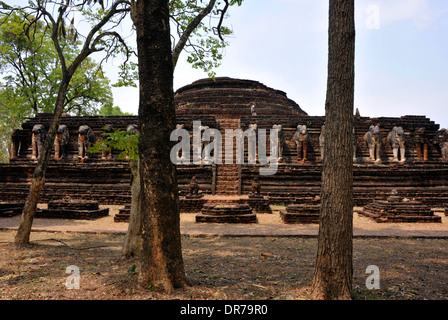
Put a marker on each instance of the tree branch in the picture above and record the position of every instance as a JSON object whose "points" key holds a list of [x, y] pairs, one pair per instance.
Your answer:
{"points": [[191, 27], [87, 47], [223, 12]]}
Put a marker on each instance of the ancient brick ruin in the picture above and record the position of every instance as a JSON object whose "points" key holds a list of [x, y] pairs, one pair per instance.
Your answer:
{"points": [[226, 213], [408, 154], [79, 210], [300, 213], [398, 209]]}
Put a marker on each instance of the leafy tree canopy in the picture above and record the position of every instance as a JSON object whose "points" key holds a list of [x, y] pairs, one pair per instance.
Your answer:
{"points": [[206, 42], [109, 110], [30, 75], [31, 69]]}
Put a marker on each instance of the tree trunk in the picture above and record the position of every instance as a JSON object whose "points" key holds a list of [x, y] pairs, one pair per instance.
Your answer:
{"points": [[132, 243], [334, 266], [38, 181], [162, 265]]}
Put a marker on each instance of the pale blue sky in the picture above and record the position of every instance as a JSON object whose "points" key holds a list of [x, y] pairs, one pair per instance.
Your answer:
{"points": [[401, 66]]}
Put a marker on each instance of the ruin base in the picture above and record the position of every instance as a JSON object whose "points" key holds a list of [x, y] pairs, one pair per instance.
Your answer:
{"points": [[383, 211], [78, 210], [300, 213], [226, 213]]}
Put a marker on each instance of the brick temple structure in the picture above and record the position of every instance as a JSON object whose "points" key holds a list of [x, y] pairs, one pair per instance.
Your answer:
{"points": [[418, 169]]}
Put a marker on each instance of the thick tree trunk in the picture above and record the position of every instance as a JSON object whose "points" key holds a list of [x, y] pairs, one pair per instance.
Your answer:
{"points": [[161, 261], [334, 270], [133, 241], [38, 182]]}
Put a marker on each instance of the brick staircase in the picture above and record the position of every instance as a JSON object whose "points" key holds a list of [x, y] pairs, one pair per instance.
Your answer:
{"points": [[227, 174]]}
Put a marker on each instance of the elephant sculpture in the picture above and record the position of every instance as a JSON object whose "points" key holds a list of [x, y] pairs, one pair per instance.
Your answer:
{"points": [[301, 139], [373, 140], [132, 128], [322, 142], [279, 146], [252, 144], [182, 157], [202, 145], [14, 146], [38, 139], [441, 139], [61, 142], [421, 144], [86, 138], [397, 140], [105, 155]]}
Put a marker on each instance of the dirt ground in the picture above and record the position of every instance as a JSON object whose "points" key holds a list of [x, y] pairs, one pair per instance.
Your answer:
{"points": [[218, 268]]}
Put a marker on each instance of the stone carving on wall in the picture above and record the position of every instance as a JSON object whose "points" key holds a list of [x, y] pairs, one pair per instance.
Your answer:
{"points": [[421, 144], [373, 140], [397, 139], [61, 142], [38, 139], [301, 139], [86, 138]]}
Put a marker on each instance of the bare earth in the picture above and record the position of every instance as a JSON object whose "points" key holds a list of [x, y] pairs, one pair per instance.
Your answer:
{"points": [[269, 260]]}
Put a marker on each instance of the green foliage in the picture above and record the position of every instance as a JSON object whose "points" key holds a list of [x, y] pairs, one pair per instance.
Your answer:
{"points": [[128, 75], [31, 68], [125, 141], [205, 48], [12, 114], [132, 269], [109, 110], [30, 75]]}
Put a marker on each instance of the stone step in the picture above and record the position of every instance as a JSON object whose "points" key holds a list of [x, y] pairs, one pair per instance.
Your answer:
{"points": [[227, 190], [227, 185], [224, 182]]}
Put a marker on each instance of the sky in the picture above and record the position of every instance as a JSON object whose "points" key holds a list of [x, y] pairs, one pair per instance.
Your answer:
{"points": [[401, 62], [401, 55]]}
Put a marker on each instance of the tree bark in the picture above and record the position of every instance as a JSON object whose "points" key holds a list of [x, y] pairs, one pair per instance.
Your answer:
{"points": [[161, 265], [334, 266], [38, 181], [132, 243]]}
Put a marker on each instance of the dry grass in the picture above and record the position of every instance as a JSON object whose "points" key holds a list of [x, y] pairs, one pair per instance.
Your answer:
{"points": [[218, 268]]}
